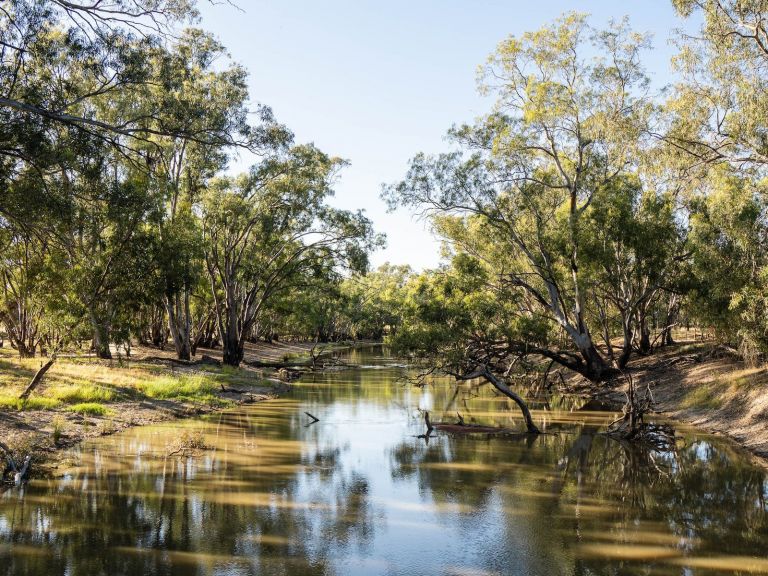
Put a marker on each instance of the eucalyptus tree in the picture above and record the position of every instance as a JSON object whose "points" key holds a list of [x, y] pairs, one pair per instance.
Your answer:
{"points": [[21, 301], [563, 126], [632, 246], [267, 230], [718, 110], [729, 232], [108, 255], [717, 123], [457, 321], [200, 110], [78, 70], [109, 39], [372, 303]]}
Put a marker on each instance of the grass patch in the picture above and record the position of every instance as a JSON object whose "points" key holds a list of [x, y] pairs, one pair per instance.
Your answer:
{"points": [[81, 393], [59, 425], [703, 396], [78, 382], [194, 388], [90, 409], [694, 347], [13, 402]]}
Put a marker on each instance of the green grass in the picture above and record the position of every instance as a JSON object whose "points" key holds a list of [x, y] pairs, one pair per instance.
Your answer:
{"points": [[81, 393], [703, 396], [195, 388], [32, 403], [88, 387], [90, 409], [694, 347]]}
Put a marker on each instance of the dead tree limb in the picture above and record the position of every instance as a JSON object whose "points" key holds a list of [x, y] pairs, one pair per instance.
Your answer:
{"points": [[20, 473], [314, 418], [38, 377], [429, 425], [509, 393], [11, 466]]}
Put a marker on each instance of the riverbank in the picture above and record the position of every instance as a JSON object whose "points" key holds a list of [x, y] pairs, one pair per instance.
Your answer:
{"points": [[707, 386], [83, 397]]}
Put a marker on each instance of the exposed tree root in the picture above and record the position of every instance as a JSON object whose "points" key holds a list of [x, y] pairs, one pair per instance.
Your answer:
{"points": [[20, 472], [631, 427]]}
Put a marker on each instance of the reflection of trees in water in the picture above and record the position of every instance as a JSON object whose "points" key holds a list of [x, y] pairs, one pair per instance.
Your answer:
{"points": [[265, 503], [125, 521], [701, 499]]}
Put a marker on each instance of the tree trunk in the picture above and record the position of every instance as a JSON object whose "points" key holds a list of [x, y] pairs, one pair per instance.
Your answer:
{"points": [[24, 351], [232, 330], [596, 369], [231, 341], [100, 337], [645, 340], [179, 323], [504, 389], [157, 330], [232, 348], [673, 310], [626, 347], [38, 377]]}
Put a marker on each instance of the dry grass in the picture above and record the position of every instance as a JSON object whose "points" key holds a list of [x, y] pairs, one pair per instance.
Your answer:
{"points": [[83, 397], [81, 384]]}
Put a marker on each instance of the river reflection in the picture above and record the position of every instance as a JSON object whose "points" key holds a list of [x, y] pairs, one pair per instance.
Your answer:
{"points": [[359, 493]]}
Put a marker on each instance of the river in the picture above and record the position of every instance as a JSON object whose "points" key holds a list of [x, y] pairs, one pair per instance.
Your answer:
{"points": [[360, 493]]}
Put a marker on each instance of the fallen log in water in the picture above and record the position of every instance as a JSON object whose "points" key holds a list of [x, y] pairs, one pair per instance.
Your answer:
{"points": [[460, 427]]}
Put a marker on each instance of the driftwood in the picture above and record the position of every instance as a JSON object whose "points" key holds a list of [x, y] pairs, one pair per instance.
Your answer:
{"points": [[314, 418], [460, 427], [38, 377], [20, 473]]}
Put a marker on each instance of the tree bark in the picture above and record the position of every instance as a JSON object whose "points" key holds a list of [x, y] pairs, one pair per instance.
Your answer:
{"points": [[38, 377], [232, 349], [179, 322], [596, 369], [504, 389], [100, 337], [232, 336]]}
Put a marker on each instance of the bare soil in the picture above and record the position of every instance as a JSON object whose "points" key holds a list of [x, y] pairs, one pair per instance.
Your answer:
{"points": [[707, 386]]}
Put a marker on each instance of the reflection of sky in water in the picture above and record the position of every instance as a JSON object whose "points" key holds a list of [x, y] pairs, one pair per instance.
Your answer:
{"points": [[359, 493]]}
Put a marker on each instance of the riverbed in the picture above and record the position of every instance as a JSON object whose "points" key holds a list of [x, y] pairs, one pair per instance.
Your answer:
{"points": [[359, 492]]}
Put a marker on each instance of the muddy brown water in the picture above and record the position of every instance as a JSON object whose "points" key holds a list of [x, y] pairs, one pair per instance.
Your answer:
{"points": [[359, 493]]}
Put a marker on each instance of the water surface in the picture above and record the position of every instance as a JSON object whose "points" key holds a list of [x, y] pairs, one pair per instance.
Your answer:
{"points": [[359, 493]]}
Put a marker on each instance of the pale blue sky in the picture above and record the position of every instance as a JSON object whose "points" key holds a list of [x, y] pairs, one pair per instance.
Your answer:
{"points": [[377, 81]]}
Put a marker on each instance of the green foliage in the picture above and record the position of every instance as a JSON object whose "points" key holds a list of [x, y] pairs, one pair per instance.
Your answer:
{"points": [[517, 192], [118, 124], [90, 409], [728, 232], [717, 109], [272, 230]]}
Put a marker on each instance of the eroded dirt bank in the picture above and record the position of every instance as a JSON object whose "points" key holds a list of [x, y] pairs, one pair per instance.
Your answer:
{"points": [[707, 386]]}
